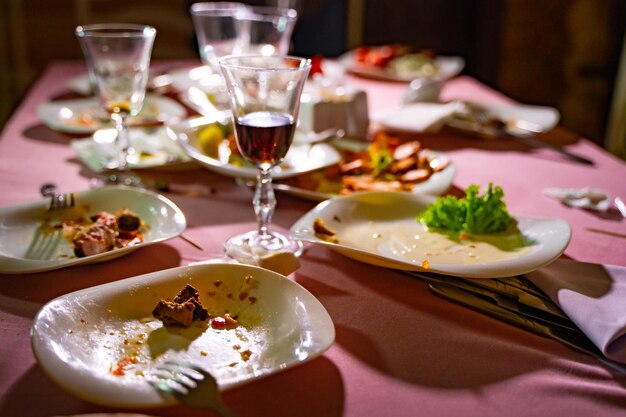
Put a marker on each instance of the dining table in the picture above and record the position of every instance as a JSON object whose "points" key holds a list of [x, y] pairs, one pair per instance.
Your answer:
{"points": [[399, 349]]}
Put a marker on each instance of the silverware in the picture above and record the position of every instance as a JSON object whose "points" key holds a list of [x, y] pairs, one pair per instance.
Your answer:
{"points": [[575, 339], [606, 232], [58, 201], [477, 120], [191, 385], [507, 297]]}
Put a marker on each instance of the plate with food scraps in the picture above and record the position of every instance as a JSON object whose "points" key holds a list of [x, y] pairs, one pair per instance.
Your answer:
{"points": [[210, 142], [381, 228], [385, 163], [398, 63], [85, 116], [104, 223], [244, 323], [152, 147]]}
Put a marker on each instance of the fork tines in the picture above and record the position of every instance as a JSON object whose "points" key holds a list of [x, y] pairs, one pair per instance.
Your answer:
{"points": [[62, 201]]}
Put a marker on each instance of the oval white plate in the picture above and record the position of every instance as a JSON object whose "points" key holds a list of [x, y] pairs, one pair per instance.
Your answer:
{"points": [[20, 227], [64, 115], [299, 159], [449, 66], [550, 236], [76, 338], [153, 146]]}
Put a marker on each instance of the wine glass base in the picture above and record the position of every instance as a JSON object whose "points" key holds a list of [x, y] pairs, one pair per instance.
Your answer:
{"points": [[249, 247]]}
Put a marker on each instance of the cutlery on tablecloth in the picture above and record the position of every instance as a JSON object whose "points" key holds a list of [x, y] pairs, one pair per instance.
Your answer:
{"points": [[508, 297], [575, 339], [476, 120]]}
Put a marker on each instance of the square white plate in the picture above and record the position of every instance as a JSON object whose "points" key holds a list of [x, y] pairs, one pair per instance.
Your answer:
{"points": [[78, 337]]}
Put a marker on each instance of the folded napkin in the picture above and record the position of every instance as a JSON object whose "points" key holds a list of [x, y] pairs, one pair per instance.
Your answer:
{"points": [[587, 197], [418, 117], [593, 296]]}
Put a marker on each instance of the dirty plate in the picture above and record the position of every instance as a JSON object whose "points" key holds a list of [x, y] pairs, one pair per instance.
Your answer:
{"points": [[30, 243], [82, 339]]}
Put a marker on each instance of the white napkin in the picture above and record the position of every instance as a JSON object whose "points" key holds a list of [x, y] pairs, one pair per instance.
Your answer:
{"points": [[587, 197], [418, 117], [593, 296]]}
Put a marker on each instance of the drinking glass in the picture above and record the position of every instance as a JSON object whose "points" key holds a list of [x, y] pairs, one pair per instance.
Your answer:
{"points": [[118, 59], [265, 99], [217, 30], [266, 30]]}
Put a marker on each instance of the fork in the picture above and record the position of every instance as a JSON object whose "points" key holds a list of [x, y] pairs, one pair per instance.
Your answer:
{"points": [[190, 385], [58, 201], [43, 245]]}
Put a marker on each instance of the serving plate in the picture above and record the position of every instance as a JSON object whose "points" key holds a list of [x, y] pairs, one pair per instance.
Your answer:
{"points": [[299, 158], [85, 116], [379, 228], [448, 67], [79, 337], [153, 149], [23, 230]]}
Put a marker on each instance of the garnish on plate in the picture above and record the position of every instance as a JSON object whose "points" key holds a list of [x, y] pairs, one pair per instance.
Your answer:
{"points": [[472, 214]]}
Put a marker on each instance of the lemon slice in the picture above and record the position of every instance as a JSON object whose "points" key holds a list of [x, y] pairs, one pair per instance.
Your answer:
{"points": [[209, 140]]}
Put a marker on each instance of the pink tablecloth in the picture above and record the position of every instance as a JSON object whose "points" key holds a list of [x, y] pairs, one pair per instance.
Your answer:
{"points": [[399, 351]]}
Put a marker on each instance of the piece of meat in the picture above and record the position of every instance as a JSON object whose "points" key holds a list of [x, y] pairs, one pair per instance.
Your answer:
{"points": [[185, 309], [128, 221], [98, 237]]}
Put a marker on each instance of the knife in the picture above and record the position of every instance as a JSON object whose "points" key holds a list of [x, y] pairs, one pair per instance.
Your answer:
{"points": [[506, 302], [575, 339], [522, 292]]}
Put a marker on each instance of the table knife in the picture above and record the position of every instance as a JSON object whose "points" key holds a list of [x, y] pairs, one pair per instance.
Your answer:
{"points": [[512, 304], [575, 339]]}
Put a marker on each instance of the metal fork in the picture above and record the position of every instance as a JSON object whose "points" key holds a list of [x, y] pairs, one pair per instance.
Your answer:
{"points": [[58, 201], [44, 244], [190, 385]]}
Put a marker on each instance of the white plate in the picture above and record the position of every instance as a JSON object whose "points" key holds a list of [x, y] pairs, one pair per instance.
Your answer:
{"points": [[85, 116], [153, 149], [76, 338], [449, 66], [20, 227], [545, 239], [544, 117], [202, 77], [299, 159]]}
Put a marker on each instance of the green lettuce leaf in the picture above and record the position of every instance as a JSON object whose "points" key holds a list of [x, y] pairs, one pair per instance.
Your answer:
{"points": [[474, 214]]}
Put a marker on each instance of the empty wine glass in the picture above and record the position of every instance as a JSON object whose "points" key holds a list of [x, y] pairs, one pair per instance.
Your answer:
{"points": [[265, 99], [118, 60], [266, 30], [217, 30]]}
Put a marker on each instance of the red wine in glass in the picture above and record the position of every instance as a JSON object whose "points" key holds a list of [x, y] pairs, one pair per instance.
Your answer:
{"points": [[264, 137]]}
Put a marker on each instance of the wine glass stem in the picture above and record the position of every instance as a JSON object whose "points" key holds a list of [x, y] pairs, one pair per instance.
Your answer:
{"points": [[122, 142], [264, 202]]}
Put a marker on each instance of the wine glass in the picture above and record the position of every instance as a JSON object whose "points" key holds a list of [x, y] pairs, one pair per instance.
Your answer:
{"points": [[217, 30], [118, 59], [264, 95], [266, 30]]}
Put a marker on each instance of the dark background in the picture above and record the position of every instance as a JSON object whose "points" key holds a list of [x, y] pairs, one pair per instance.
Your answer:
{"points": [[561, 53]]}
